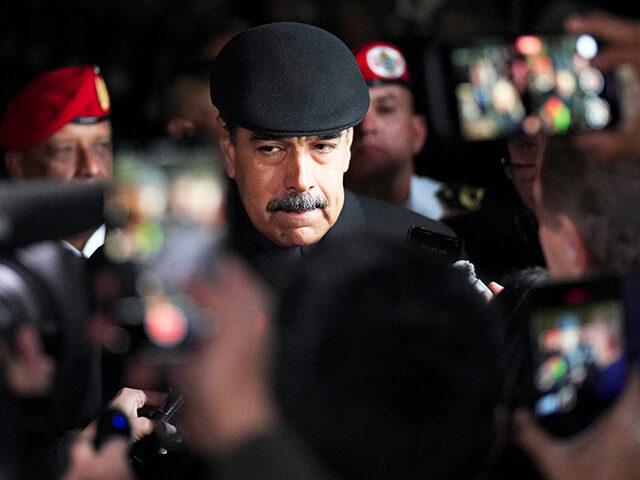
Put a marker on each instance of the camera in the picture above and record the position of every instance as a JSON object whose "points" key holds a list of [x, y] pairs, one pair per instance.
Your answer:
{"points": [[32, 264], [495, 87]]}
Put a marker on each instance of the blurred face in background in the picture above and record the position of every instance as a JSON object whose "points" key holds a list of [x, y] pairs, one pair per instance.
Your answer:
{"points": [[388, 138], [523, 167], [76, 151]]}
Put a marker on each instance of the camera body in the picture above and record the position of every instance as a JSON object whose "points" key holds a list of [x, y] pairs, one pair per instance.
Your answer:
{"points": [[42, 283]]}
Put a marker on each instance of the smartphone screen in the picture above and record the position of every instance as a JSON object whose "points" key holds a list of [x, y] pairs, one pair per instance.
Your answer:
{"points": [[577, 336], [530, 84]]}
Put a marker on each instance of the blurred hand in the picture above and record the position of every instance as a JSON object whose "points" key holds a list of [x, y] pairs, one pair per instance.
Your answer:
{"points": [[608, 449], [224, 381], [111, 462], [135, 403], [622, 37], [495, 287], [621, 46], [29, 372]]}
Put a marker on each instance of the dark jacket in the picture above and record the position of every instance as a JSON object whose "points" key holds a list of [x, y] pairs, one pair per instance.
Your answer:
{"points": [[358, 213]]}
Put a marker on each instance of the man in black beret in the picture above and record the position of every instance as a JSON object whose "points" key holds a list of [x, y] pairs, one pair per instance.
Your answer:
{"points": [[289, 95]]}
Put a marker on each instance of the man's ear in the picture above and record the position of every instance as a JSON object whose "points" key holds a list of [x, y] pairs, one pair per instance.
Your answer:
{"points": [[578, 259], [347, 160], [14, 161], [419, 137], [228, 149]]}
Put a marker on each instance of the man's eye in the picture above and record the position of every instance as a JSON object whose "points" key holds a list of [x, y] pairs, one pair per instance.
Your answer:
{"points": [[324, 147], [63, 152], [386, 110], [269, 149], [104, 146]]}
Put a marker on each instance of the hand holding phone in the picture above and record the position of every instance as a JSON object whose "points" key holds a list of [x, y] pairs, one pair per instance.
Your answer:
{"points": [[578, 352]]}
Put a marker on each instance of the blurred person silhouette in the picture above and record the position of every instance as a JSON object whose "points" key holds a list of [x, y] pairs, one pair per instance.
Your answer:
{"points": [[587, 208], [185, 103], [389, 364], [230, 416], [372, 363]]}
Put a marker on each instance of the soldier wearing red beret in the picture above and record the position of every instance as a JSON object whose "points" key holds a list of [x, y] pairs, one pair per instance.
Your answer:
{"points": [[57, 127], [391, 134]]}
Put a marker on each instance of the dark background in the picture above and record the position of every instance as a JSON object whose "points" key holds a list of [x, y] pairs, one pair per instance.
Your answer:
{"points": [[136, 43]]}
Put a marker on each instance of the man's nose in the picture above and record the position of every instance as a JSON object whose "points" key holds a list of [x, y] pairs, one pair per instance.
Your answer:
{"points": [[90, 164], [298, 176]]}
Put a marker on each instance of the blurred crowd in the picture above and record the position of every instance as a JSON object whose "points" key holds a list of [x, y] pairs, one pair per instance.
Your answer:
{"points": [[234, 244]]}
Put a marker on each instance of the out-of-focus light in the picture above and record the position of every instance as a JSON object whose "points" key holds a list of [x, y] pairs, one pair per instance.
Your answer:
{"points": [[529, 45], [591, 81], [565, 83], [542, 65], [504, 96], [597, 112], [562, 121], [553, 106], [587, 46], [148, 238], [165, 324], [532, 125]]}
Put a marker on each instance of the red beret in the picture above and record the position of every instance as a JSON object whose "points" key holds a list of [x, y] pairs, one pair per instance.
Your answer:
{"points": [[382, 63], [49, 102]]}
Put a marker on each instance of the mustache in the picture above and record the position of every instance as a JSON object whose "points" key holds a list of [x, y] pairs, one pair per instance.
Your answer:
{"points": [[297, 202]]}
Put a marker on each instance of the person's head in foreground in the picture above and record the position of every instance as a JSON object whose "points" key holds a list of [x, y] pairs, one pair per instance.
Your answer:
{"points": [[587, 207], [387, 363], [288, 95]]}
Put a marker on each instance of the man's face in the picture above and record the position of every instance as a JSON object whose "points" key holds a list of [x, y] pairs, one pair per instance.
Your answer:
{"points": [[74, 151], [290, 187], [525, 160], [388, 137]]}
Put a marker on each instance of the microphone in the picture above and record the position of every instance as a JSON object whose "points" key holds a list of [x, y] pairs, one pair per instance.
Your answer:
{"points": [[468, 268]]}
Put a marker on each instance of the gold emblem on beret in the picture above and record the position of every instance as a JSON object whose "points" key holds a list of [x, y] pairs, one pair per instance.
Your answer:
{"points": [[103, 93], [470, 197]]}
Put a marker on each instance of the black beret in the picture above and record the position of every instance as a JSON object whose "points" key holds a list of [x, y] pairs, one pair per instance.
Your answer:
{"points": [[289, 79]]}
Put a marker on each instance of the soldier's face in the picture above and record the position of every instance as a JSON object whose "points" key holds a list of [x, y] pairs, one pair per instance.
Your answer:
{"points": [[388, 137], [290, 187], [76, 151]]}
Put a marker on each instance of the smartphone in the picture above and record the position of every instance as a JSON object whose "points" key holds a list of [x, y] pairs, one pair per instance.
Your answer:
{"points": [[164, 230], [497, 87], [578, 347], [436, 246]]}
